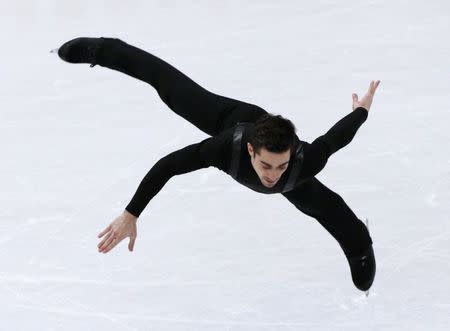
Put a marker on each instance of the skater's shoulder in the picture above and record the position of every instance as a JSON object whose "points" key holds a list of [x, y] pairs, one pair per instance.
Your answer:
{"points": [[315, 150], [216, 150], [224, 137]]}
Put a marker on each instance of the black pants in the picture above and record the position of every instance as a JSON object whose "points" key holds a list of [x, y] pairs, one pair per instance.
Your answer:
{"points": [[209, 112], [213, 113], [313, 198]]}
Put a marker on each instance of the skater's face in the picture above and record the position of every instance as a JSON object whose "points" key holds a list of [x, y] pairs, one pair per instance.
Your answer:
{"points": [[268, 165]]}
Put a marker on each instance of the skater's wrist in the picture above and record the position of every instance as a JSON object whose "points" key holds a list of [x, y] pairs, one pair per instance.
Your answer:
{"points": [[129, 215]]}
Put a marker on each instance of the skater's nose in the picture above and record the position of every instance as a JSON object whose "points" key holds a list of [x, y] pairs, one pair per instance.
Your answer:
{"points": [[273, 174]]}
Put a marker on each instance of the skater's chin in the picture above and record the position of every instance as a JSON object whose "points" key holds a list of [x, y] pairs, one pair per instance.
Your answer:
{"points": [[268, 183]]}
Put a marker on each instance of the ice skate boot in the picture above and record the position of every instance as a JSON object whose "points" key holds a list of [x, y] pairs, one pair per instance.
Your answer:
{"points": [[81, 50], [363, 268]]}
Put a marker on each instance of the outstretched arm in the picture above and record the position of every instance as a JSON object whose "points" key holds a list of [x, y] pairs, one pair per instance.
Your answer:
{"points": [[182, 161], [212, 151], [340, 135]]}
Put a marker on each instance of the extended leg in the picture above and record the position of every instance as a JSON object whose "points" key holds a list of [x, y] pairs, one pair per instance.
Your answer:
{"points": [[330, 210], [207, 111]]}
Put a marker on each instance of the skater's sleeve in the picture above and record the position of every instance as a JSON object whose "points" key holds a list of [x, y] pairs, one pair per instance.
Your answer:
{"points": [[340, 135], [213, 151]]}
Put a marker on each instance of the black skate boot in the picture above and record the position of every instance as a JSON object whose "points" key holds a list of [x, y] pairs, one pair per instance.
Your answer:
{"points": [[81, 50], [363, 269]]}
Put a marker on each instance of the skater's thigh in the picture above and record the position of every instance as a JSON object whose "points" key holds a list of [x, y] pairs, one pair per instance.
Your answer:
{"points": [[217, 113], [318, 201], [315, 199], [242, 112], [204, 109]]}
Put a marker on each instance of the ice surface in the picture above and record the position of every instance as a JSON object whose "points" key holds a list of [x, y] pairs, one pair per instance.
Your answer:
{"points": [[211, 254]]}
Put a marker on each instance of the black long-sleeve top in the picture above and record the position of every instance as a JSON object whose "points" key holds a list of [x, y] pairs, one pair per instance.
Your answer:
{"points": [[217, 151]]}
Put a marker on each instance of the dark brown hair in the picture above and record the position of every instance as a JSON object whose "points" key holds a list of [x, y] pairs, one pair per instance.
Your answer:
{"points": [[273, 132]]}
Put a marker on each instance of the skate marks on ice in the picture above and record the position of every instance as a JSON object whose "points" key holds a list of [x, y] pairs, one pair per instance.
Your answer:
{"points": [[358, 302], [121, 319], [29, 303], [68, 307], [231, 314], [405, 255]]}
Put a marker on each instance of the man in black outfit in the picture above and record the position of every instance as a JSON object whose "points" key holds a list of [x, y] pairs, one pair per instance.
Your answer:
{"points": [[258, 149]]}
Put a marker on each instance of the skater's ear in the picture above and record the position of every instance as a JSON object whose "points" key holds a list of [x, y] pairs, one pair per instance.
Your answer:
{"points": [[250, 149]]}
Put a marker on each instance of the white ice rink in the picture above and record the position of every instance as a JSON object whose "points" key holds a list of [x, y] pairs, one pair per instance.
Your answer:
{"points": [[212, 254]]}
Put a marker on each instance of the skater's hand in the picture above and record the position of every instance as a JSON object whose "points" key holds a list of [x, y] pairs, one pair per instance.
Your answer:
{"points": [[366, 101], [122, 227]]}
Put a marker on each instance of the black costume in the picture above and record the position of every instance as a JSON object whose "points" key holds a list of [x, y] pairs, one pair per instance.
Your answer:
{"points": [[229, 122]]}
